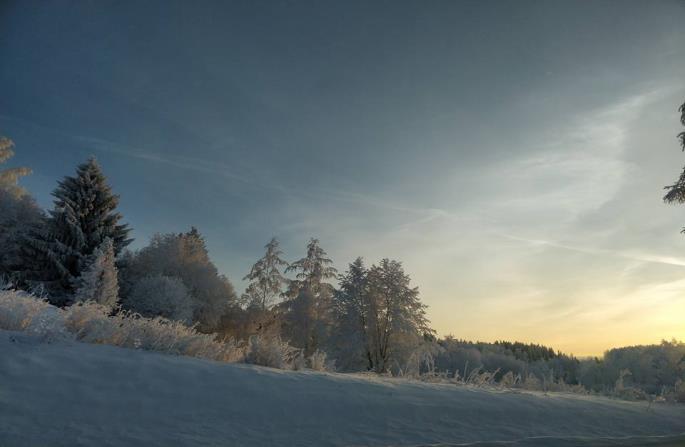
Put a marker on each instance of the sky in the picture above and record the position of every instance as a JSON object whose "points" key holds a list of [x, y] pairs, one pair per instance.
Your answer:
{"points": [[511, 154]]}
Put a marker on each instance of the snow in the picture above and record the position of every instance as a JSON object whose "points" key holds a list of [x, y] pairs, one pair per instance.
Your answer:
{"points": [[67, 393]]}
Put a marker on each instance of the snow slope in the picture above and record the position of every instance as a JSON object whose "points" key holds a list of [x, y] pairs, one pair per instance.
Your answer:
{"points": [[75, 394]]}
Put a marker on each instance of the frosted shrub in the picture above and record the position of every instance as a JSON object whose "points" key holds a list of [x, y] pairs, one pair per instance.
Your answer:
{"points": [[478, 377], [48, 324], [92, 323], [18, 310], [532, 383], [420, 365], [620, 382], [299, 362], [621, 390], [509, 379], [89, 322], [270, 351], [162, 296], [318, 361], [182, 256]]}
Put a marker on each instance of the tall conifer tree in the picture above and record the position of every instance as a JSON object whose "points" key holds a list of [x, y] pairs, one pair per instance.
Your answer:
{"points": [[266, 280], [84, 216], [308, 307], [350, 307]]}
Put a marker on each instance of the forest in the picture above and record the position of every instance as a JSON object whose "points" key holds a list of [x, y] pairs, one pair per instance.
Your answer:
{"points": [[74, 259]]}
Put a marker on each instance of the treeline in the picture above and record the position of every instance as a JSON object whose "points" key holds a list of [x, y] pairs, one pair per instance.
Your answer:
{"points": [[631, 372], [501, 357], [77, 252], [650, 369], [300, 313]]}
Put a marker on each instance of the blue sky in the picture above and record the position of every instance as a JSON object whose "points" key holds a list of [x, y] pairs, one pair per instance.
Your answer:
{"points": [[511, 154]]}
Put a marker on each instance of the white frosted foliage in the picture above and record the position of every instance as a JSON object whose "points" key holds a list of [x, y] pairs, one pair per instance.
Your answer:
{"points": [[98, 282], [163, 296]]}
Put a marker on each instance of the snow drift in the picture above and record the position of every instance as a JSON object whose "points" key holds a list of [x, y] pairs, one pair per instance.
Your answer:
{"points": [[67, 393]]}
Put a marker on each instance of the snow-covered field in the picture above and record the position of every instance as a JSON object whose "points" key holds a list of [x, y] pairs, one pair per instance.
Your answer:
{"points": [[76, 394]]}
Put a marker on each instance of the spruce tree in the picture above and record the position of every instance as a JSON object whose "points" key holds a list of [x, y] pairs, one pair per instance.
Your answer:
{"points": [[350, 306], [308, 307], [313, 270], [84, 213], [83, 218], [266, 280]]}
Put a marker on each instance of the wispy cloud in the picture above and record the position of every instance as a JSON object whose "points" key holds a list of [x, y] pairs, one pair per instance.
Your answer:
{"points": [[182, 162], [578, 168], [626, 254], [313, 193]]}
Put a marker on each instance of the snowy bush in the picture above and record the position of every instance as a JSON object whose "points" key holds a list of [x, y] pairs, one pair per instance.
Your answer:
{"points": [[92, 322], [318, 361], [183, 256], [18, 310], [163, 296], [270, 351], [48, 324], [419, 362], [481, 378], [98, 280], [299, 362], [532, 383]]}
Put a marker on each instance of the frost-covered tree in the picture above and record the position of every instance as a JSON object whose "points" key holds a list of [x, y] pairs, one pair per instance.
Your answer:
{"points": [[266, 281], [163, 296], [676, 191], [9, 177], [19, 213], [395, 314], [313, 270], [183, 256], [379, 315], [98, 281], [302, 324], [307, 311], [350, 307], [85, 211], [18, 218], [84, 216]]}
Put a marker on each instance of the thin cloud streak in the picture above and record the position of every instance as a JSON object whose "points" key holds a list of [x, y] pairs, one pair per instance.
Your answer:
{"points": [[650, 258], [213, 167]]}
